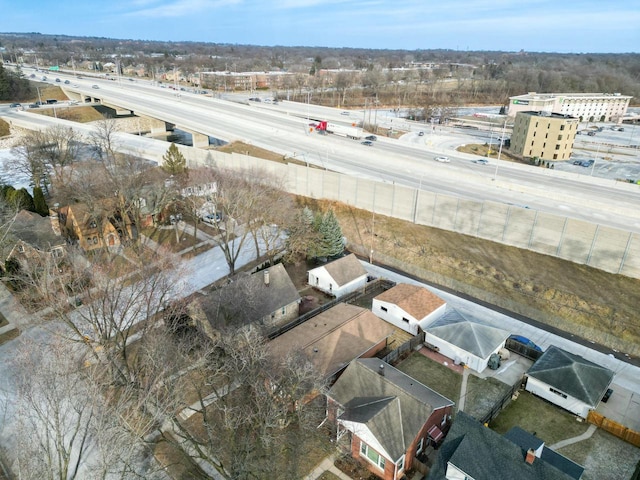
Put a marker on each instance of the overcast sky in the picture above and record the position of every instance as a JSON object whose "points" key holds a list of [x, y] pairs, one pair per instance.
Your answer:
{"points": [[532, 25]]}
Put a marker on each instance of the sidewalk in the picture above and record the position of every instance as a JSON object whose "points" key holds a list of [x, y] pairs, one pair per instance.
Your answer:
{"points": [[570, 441], [327, 465]]}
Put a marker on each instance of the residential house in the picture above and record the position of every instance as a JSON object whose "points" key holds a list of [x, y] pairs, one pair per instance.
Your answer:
{"points": [[261, 300], [94, 227], [473, 451], [465, 338], [568, 380], [36, 236], [332, 339], [387, 417], [339, 277], [408, 306]]}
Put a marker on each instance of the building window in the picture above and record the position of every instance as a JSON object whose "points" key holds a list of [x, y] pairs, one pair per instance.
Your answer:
{"points": [[93, 224], [405, 319], [95, 240], [420, 445], [559, 137], [557, 392], [555, 156], [558, 147], [561, 127], [384, 309], [372, 455], [401, 463], [284, 310]]}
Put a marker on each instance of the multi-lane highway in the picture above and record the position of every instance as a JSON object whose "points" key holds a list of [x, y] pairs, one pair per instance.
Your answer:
{"points": [[284, 128]]}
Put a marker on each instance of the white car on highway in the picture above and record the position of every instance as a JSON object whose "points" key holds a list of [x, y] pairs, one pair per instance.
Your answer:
{"points": [[442, 159]]}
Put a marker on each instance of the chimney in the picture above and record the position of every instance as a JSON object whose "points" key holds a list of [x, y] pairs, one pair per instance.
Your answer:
{"points": [[266, 278], [531, 456], [381, 370]]}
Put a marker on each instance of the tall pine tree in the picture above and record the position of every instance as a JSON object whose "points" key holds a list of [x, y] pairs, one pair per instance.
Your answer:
{"points": [[39, 203], [174, 161], [332, 242]]}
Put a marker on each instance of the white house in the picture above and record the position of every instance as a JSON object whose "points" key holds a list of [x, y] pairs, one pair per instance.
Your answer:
{"points": [[408, 307], [568, 380], [465, 338], [339, 277]]}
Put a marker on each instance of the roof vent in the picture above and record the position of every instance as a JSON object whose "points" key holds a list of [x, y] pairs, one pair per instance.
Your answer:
{"points": [[266, 277], [381, 369]]}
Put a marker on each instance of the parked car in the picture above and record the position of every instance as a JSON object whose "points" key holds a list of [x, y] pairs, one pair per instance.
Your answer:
{"points": [[95, 86], [607, 395], [421, 133], [591, 134], [345, 113], [481, 161], [372, 138], [14, 105], [442, 159], [34, 105], [67, 82], [57, 80], [212, 218], [525, 341], [368, 143]]}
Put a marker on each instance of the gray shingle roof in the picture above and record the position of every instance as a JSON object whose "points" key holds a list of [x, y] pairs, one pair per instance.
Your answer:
{"points": [[394, 406], [572, 374], [345, 269], [525, 441], [35, 230], [486, 455], [248, 299], [468, 332]]}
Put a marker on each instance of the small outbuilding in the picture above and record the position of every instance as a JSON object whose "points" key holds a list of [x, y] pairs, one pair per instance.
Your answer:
{"points": [[465, 338], [408, 307], [568, 380], [339, 277]]}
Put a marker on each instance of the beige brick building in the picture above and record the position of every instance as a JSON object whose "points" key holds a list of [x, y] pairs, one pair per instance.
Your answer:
{"points": [[548, 136], [592, 107]]}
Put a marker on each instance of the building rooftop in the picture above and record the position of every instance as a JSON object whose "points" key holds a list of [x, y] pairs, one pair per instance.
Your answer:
{"points": [[416, 301]]}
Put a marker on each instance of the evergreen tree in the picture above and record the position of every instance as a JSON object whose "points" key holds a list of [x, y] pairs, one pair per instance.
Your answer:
{"points": [[40, 204], [21, 199], [331, 243], [174, 161]]}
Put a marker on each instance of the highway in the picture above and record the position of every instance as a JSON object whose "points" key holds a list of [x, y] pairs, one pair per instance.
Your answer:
{"points": [[282, 128]]}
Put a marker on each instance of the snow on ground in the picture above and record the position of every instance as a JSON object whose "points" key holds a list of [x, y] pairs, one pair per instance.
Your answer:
{"points": [[9, 175]]}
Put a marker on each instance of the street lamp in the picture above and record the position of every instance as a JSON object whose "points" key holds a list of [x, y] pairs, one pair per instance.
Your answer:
{"points": [[504, 127]]}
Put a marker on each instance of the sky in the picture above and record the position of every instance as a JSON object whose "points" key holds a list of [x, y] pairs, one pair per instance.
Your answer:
{"points": [[573, 26]]}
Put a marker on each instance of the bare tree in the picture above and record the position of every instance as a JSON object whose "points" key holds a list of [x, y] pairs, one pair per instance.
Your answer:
{"points": [[66, 424], [255, 410]]}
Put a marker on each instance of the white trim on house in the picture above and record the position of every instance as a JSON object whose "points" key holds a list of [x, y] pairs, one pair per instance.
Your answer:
{"points": [[365, 435], [558, 397]]}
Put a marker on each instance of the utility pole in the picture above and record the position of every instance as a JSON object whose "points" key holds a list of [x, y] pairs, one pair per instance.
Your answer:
{"points": [[504, 127]]}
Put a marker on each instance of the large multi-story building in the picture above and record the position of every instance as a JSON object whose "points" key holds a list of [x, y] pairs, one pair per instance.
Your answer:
{"points": [[592, 107], [547, 136]]}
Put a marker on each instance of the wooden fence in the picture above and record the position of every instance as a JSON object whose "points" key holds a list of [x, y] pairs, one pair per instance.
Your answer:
{"points": [[392, 357], [371, 288], [499, 405], [615, 428]]}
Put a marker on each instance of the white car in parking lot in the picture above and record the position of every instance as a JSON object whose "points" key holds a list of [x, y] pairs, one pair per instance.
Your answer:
{"points": [[442, 159]]}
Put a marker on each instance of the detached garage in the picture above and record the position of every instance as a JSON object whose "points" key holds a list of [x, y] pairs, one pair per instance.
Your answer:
{"points": [[465, 338], [568, 380], [408, 307]]}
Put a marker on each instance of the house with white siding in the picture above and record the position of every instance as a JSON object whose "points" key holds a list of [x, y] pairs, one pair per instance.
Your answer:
{"points": [[339, 277], [408, 307]]}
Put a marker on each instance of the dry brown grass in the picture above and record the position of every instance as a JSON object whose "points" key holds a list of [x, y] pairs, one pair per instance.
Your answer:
{"points": [[578, 299], [253, 151], [483, 150], [4, 128]]}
